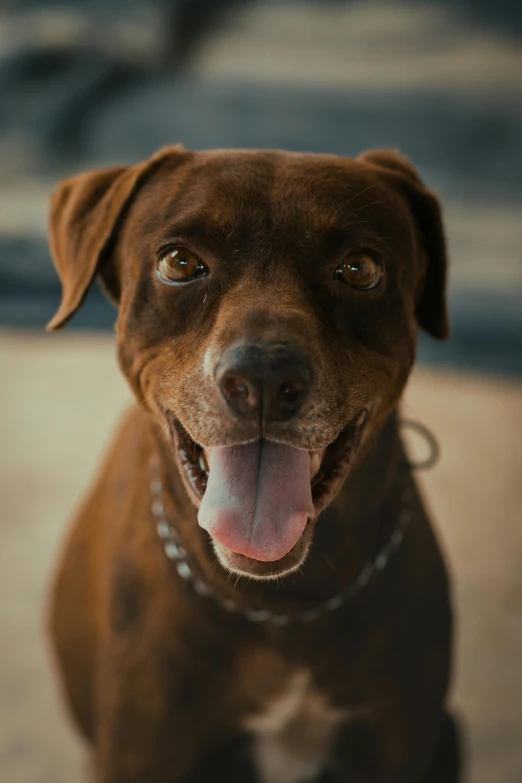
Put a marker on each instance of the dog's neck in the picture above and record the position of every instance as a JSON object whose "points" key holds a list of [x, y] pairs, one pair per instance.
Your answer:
{"points": [[347, 535]]}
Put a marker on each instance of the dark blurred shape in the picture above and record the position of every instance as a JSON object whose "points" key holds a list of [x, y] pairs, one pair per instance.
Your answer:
{"points": [[60, 91], [188, 21]]}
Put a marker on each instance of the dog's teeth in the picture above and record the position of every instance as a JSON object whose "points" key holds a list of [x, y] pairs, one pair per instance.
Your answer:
{"points": [[315, 463], [203, 464]]}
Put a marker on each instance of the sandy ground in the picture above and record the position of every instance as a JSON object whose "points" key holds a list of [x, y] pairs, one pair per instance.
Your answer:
{"points": [[60, 397]]}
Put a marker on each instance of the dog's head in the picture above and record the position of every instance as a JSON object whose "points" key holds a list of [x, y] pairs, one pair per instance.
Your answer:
{"points": [[268, 311]]}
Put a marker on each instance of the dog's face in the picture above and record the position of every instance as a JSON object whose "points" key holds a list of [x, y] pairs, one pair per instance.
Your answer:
{"points": [[268, 312]]}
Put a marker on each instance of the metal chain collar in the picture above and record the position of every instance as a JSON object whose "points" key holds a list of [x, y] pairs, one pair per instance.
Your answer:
{"points": [[177, 553]]}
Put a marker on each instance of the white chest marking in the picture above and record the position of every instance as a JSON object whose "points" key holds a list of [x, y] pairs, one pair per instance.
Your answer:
{"points": [[293, 736]]}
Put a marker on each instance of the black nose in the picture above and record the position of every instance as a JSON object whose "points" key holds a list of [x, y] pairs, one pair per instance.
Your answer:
{"points": [[264, 381]]}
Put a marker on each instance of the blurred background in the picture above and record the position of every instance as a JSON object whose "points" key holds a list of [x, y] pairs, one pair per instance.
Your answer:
{"points": [[96, 82]]}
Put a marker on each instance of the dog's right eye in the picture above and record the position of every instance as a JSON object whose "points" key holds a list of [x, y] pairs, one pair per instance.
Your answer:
{"points": [[360, 271], [180, 265]]}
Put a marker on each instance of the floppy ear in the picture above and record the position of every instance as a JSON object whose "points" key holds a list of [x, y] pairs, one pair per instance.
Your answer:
{"points": [[431, 310], [86, 212]]}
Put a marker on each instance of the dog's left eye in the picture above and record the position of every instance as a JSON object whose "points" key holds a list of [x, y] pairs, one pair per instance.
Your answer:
{"points": [[180, 265], [359, 270]]}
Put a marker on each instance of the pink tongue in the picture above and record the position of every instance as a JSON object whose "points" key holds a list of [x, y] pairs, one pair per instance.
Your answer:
{"points": [[258, 498]]}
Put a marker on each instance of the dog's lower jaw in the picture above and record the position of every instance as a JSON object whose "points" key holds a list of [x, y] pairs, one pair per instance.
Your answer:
{"points": [[264, 571]]}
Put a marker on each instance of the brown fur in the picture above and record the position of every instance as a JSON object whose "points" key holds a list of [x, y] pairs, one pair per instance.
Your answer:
{"points": [[159, 679]]}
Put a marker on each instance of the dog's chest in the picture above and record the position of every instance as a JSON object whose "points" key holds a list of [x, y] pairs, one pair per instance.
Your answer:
{"points": [[294, 732]]}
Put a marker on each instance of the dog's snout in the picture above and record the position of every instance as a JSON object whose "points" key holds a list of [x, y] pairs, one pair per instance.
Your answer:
{"points": [[264, 381]]}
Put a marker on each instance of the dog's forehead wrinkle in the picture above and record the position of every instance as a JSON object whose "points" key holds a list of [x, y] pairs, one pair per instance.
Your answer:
{"points": [[206, 201], [255, 207]]}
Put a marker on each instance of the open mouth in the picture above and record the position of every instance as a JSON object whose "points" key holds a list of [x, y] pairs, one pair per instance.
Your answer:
{"points": [[257, 500]]}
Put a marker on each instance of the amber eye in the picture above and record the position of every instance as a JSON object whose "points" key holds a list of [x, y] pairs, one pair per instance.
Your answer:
{"points": [[180, 265], [359, 271]]}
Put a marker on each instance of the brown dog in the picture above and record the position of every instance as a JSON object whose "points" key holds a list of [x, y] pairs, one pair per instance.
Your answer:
{"points": [[268, 312]]}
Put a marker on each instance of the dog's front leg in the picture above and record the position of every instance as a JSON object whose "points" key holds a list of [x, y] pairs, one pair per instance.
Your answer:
{"points": [[161, 719], [230, 764], [357, 758], [134, 747], [366, 753], [153, 725]]}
